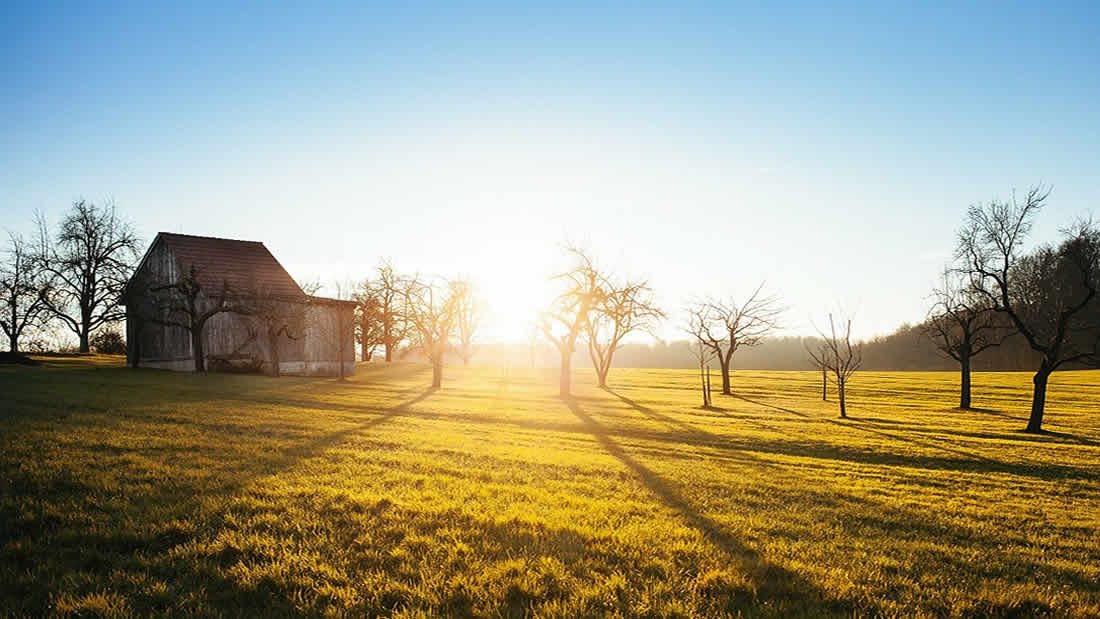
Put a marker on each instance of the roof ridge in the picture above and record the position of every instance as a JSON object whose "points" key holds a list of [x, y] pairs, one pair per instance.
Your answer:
{"points": [[211, 238]]}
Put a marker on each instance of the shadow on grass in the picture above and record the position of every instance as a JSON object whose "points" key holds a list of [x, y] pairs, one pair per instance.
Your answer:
{"points": [[774, 584]]}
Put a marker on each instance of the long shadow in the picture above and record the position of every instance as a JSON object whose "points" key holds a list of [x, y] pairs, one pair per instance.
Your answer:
{"points": [[857, 424], [774, 584], [55, 537]]}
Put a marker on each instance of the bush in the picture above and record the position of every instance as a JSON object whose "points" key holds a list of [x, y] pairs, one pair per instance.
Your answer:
{"points": [[109, 342]]}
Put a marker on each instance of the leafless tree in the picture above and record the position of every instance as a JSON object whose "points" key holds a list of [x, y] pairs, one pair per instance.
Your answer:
{"points": [[962, 324], [725, 326], [566, 319], [620, 311], [280, 317], [431, 311], [1050, 295], [704, 355], [468, 313], [392, 291], [368, 320], [25, 291], [840, 358], [90, 259], [184, 304]]}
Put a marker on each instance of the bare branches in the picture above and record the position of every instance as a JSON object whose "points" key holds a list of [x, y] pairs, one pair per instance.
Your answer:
{"points": [[621, 310], [1050, 295], [26, 291], [838, 356], [90, 258], [468, 314], [723, 326], [431, 311], [582, 289]]}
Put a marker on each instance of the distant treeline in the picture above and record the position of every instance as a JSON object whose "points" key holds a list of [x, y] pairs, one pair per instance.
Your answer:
{"points": [[908, 348]]}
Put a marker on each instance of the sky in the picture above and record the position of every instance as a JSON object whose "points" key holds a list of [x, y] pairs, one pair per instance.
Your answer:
{"points": [[830, 152]]}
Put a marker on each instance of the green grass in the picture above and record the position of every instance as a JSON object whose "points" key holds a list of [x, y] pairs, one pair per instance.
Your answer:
{"points": [[144, 492]]}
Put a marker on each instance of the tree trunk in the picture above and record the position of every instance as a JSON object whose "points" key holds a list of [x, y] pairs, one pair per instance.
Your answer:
{"points": [[566, 374], [84, 347], [196, 349], [13, 343], [824, 386], [964, 392], [437, 374], [840, 393], [363, 353], [389, 353], [1038, 400], [709, 400], [273, 342], [703, 382], [725, 375]]}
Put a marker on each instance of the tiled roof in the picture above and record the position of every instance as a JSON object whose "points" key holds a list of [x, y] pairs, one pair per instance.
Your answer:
{"points": [[246, 266]]}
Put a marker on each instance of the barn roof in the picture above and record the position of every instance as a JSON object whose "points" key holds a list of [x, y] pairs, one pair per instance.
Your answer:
{"points": [[242, 265]]}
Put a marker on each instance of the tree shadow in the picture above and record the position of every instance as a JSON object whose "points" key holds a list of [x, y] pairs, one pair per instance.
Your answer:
{"points": [[774, 584]]}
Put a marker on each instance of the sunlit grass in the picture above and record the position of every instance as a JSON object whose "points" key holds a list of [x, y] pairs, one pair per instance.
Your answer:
{"points": [[159, 493]]}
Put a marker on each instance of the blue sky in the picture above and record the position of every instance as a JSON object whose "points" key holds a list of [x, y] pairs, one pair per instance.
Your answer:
{"points": [[830, 151]]}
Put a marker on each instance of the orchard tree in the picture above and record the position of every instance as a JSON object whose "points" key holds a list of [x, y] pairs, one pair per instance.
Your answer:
{"points": [[90, 257], [431, 310], [468, 314], [621, 310], [1049, 295], [581, 290], [725, 326], [186, 305], [962, 324], [839, 357], [26, 290]]}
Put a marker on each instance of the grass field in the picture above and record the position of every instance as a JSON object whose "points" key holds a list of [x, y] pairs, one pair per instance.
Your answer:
{"points": [[157, 493]]}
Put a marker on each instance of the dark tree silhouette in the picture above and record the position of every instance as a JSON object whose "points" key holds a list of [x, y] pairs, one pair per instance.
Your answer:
{"points": [[567, 318], [26, 290], [368, 320], [621, 310], [839, 357], [185, 305], [90, 259], [963, 324], [1050, 295], [725, 326], [280, 317]]}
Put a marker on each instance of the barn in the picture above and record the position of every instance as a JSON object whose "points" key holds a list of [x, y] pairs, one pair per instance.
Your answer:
{"points": [[231, 304]]}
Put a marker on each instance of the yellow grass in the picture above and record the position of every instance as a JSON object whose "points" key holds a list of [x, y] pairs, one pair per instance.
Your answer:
{"points": [[157, 493]]}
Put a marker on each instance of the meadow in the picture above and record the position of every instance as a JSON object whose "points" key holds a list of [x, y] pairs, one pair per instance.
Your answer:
{"points": [[146, 492]]}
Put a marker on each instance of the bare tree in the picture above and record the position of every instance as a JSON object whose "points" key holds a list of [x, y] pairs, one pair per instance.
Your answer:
{"points": [[468, 313], [1050, 295], [392, 291], [704, 354], [90, 259], [725, 326], [840, 358], [184, 304], [962, 324], [620, 311], [368, 320], [280, 317], [431, 311], [25, 291], [565, 321]]}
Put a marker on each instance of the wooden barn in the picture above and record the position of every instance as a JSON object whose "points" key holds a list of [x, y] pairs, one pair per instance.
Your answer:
{"points": [[234, 306]]}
